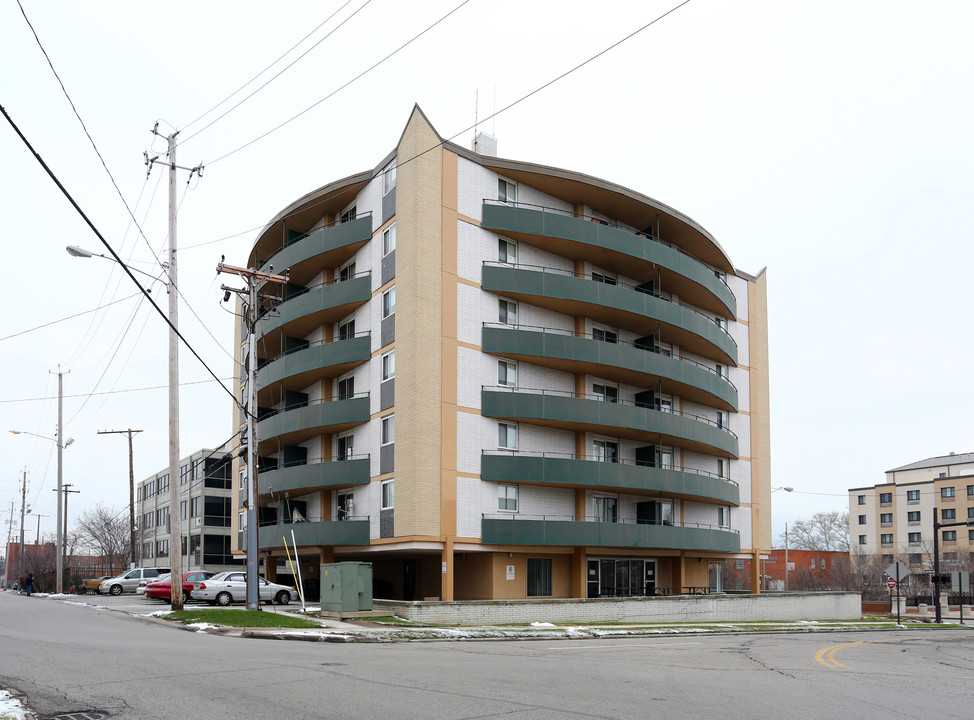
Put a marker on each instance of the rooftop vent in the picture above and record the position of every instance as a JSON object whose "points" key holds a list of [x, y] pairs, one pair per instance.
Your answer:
{"points": [[485, 144]]}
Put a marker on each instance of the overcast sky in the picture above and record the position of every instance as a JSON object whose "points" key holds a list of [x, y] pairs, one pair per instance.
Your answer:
{"points": [[830, 142]]}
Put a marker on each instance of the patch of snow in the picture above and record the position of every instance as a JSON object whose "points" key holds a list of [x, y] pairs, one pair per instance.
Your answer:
{"points": [[543, 624], [203, 626], [11, 707]]}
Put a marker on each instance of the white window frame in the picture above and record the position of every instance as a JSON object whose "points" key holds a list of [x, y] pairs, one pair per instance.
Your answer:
{"points": [[506, 373], [505, 431], [604, 394], [506, 251], [389, 180], [387, 494], [506, 309], [389, 240], [723, 516], [506, 191], [603, 456], [604, 331], [388, 365], [723, 468], [389, 302], [505, 494], [602, 504], [387, 430]]}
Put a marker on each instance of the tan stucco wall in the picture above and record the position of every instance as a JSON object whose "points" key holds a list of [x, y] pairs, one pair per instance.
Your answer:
{"points": [[760, 450]]}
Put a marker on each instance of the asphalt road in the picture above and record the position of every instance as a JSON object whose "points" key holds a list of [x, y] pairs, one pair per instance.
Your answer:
{"points": [[72, 658]]}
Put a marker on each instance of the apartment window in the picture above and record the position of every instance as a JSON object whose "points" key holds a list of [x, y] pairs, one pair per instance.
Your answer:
{"points": [[947, 492], [506, 373], [666, 458], [605, 451], [722, 371], [507, 436], [721, 323], [886, 519], [913, 537], [346, 388], [603, 335], [723, 420], [507, 312], [507, 251], [913, 496], [862, 539], [388, 494], [723, 468], [147, 550], [345, 505], [389, 239], [183, 474], [723, 516], [605, 509], [862, 519], [885, 498], [539, 577], [605, 393], [183, 509], [162, 548], [913, 517], [162, 517], [389, 302], [970, 491], [603, 278], [507, 498], [387, 430], [861, 500], [347, 272], [943, 475], [243, 477], [886, 539], [163, 484], [950, 535], [970, 513], [346, 447], [389, 365], [948, 514], [506, 191], [348, 215], [346, 330], [194, 507], [389, 180], [150, 488], [970, 536]]}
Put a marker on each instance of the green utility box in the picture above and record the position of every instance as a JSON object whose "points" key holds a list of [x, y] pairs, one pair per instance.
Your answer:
{"points": [[346, 587]]}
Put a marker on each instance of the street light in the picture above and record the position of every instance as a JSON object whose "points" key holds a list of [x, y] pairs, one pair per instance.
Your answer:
{"points": [[773, 491], [61, 540], [80, 252]]}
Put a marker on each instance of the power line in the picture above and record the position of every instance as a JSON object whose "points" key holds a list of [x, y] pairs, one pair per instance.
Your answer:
{"points": [[116, 392], [69, 317], [104, 242], [288, 67]]}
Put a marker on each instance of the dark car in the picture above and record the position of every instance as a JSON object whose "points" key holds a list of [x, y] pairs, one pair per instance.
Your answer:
{"points": [[162, 589]]}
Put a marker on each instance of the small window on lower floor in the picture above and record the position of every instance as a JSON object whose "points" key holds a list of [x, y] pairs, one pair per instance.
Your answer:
{"points": [[539, 577], [507, 498], [388, 494], [862, 539], [723, 516]]}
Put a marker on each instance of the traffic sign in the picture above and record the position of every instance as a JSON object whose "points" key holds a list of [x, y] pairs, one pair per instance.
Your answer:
{"points": [[898, 571], [891, 584]]}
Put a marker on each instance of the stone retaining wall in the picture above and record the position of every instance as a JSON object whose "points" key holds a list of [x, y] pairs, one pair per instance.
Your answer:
{"points": [[679, 608]]}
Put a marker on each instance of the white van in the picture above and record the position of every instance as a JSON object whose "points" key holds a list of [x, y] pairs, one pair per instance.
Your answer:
{"points": [[129, 581]]}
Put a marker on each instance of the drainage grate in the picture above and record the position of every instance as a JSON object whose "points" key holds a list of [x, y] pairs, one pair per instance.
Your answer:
{"points": [[85, 715]]}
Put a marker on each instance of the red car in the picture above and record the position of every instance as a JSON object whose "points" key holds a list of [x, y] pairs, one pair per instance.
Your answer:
{"points": [[162, 589]]}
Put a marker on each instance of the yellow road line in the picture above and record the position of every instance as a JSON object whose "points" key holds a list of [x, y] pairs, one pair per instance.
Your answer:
{"points": [[826, 656]]}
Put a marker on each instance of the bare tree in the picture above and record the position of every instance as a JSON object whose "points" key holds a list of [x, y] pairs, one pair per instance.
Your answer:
{"points": [[105, 531], [824, 531]]}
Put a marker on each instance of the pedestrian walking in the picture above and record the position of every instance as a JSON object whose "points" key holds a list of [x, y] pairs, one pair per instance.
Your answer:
{"points": [[29, 583]]}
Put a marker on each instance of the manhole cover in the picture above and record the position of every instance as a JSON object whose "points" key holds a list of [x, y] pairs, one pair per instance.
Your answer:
{"points": [[85, 715]]}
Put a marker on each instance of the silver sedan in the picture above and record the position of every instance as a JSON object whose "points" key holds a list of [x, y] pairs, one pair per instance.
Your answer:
{"points": [[229, 587]]}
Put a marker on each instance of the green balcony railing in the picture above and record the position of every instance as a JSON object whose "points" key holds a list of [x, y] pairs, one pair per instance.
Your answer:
{"points": [[296, 424], [318, 305], [320, 244], [325, 359], [314, 533], [315, 476]]}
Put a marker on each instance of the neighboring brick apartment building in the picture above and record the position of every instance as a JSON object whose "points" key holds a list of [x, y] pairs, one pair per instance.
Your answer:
{"points": [[895, 519], [495, 379], [807, 570]]}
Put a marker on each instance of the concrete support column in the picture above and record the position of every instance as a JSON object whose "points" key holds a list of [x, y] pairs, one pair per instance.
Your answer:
{"points": [[326, 555], [446, 584], [680, 572], [270, 568], [579, 585], [756, 572]]}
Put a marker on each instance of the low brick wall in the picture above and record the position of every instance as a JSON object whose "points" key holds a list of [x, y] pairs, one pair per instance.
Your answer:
{"points": [[678, 608]]}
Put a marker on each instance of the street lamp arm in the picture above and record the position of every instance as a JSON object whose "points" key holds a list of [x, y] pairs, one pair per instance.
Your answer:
{"points": [[45, 437], [80, 252]]}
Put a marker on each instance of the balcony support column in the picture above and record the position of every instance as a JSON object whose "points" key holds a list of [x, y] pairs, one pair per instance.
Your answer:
{"points": [[578, 587], [446, 583], [326, 555], [756, 572], [680, 572], [580, 504], [270, 567]]}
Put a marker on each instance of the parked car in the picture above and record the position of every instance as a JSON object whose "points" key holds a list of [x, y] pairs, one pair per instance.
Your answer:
{"points": [[228, 587], [161, 589], [129, 581], [91, 584]]}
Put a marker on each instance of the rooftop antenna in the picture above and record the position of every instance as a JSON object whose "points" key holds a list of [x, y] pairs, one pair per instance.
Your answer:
{"points": [[476, 111]]}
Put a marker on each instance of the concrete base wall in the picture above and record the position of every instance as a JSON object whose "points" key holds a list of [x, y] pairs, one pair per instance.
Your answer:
{"points": [[682, 608]]}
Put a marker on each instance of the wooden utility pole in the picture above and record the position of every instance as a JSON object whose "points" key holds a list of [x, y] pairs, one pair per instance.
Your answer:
{"points": [[129, 432], [252, 300]]}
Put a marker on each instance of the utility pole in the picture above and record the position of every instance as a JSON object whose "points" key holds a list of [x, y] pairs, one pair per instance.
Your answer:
{"points": [[175, 560], [252, 299], [61, 539], [6, 548], [23, 503], [63, 557], [129, 432]]}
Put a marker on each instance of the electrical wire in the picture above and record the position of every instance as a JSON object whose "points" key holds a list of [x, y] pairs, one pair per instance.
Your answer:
{"points": [[288, 67], [69, 317], [46, 398], [83, 126], [104, 242], [342, 87]]}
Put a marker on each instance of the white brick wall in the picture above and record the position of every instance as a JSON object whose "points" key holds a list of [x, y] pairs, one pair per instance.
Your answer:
{"points": [[739, 286], [741, 521], [739, 333], [538, 500]]}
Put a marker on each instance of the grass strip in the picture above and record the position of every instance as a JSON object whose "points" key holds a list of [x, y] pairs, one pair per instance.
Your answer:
{"points": [[239, 618]]}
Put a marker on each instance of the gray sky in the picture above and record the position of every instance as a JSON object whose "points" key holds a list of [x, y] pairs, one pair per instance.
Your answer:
{"points": [[829, 141]]}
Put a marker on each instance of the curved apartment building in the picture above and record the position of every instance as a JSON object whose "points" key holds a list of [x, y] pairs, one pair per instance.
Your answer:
{"points": [[493, 379]]}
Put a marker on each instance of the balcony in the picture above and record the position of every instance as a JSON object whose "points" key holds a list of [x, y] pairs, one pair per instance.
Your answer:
{"points": [[562, 470], [623, 419], [623, 306], [617, 249], [297, 369], [293, 426], [307, 478], [620, 362], [562, 531], [310, 534], [303, 313], [305, 255]]}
